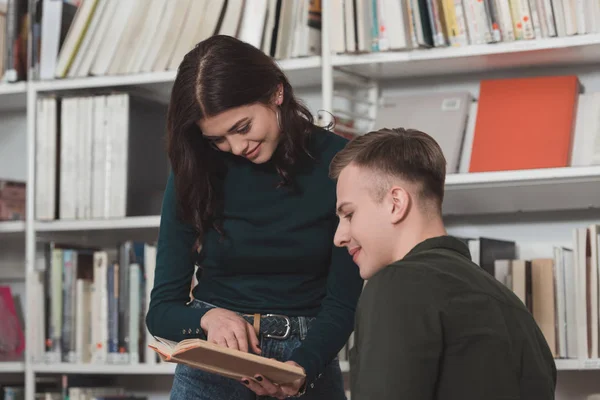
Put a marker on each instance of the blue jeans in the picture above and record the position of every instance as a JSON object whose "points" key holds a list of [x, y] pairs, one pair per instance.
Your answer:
{"points": [[194, 384]]}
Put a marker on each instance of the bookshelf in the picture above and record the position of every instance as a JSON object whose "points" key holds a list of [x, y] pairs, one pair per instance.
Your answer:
{"points": [[584, 49], [537, 208]]}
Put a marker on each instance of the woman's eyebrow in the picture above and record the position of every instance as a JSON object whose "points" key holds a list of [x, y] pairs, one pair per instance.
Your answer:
{"points": [[237, 124]]}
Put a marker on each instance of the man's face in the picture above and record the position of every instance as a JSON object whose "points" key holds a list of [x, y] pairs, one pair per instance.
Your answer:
{"points": [[366, 225]]}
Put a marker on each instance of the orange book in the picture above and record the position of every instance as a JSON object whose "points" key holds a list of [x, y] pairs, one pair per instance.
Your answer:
{"points": [[524, 123]]}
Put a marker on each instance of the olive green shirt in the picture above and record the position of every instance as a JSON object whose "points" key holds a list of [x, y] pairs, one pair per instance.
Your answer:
{"points": [[436, 326]]}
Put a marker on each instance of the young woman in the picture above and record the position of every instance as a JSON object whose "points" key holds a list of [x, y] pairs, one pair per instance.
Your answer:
{"points": [[250, 202]]}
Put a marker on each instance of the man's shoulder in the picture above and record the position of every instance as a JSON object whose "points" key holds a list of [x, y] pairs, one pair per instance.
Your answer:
{"points": [[405, 282]]}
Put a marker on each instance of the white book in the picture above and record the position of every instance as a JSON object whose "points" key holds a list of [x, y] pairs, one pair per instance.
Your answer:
{"points": [[147, 37], [110, 42], [506, 25], [570, 17], [586, 134], [94, 30], [172, 38], [593, 270], [99, 159], [337, 39], [160, 35], [41, 157], [130, 38], [83, 321], [185, 43], [233, 17], [100, 309], [135, 296], [253, 22], [212, 14], [397, 25], [580, 264], [559, 18], [525, 19], [536, 19], [350, 26], [120, 137], [580, 17], [548, 15], [269, 26], [74, 36], [68, 154], [149, 267], [477, 22], [51, 24], [99, 39]]}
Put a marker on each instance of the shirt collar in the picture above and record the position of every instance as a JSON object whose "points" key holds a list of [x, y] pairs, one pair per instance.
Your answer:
{"points": [[442, 242]]}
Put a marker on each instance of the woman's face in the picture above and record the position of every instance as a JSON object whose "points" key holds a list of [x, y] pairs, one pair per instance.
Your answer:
{"points": [[247, 131]]}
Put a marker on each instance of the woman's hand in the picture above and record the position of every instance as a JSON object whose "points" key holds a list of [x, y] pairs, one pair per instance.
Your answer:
{"points": [[226, 328], [264, 387]]}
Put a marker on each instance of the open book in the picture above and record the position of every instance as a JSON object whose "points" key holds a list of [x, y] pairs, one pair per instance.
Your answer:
{"points": [[236, 364]]}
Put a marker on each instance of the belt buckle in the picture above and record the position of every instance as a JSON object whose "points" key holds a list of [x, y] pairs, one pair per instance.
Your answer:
{"points": [[288, 327]]}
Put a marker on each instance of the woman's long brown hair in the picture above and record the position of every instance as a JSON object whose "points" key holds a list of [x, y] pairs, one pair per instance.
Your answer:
{"points": [[221, 73]]}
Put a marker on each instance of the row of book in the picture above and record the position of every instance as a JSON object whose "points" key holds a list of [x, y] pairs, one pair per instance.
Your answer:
{"points": [[382, 25], [501, 131], [111, 37], [102, 156], [99, 156], [561, 291], [94, 304]]}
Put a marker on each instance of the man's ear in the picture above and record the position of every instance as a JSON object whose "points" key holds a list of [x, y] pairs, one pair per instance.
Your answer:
{"points": [[400, 204]]}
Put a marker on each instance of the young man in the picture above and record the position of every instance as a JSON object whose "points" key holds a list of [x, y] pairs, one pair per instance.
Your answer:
{"points": [[430, 324]]}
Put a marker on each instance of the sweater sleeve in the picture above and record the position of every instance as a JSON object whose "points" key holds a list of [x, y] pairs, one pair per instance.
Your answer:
{"points": [[168, 315], [335, 321]]}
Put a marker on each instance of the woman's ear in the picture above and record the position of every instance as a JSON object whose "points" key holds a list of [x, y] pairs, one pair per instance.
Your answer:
{"points": [[279, 95], [400, 204]]}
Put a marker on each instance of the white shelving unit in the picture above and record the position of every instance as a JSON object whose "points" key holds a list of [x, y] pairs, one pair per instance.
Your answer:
{"points": [[152, 221], [12, 367], [503, 204], [7, 227]]}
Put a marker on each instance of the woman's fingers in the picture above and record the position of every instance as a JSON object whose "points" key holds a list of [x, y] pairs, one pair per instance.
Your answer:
{"points": [[241, 337], [254, 343], [264, 387], [231, 341]]}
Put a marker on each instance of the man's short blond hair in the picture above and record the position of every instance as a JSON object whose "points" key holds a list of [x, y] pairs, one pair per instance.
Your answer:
{"points": [[407, 154]]}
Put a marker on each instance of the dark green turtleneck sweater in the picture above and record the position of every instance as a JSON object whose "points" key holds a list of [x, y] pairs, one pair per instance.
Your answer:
{"points": [[278, 256]]}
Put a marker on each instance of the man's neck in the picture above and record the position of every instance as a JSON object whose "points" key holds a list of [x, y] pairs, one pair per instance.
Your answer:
{"points": [[417, 230]]}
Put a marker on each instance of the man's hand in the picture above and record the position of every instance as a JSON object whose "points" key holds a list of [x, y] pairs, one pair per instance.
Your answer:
{"points": [[264, 387], [228, 329]]}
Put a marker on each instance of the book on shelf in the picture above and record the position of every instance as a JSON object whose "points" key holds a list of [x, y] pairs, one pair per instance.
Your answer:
{"points": [[12, 337], [111, 37], [560, 289], [231, 363], [363, 26], [497, 131], [13, 40], [12, 200], [99, 156], [94, 303]]}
